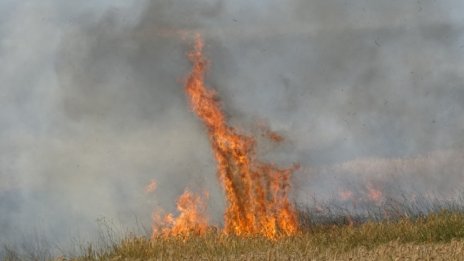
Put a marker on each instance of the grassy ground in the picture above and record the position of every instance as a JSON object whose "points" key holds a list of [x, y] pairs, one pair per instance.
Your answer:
{"points": [[435, 237]]}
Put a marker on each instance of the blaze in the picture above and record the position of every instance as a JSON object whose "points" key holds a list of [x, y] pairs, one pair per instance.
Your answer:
{"points": [[257, 193]]}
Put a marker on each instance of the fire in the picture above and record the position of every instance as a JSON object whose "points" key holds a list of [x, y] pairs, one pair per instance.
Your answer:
{"points": [[374, 194], [268, 133], [191, 220], [151, 187], [257, 193], [345, 195]]}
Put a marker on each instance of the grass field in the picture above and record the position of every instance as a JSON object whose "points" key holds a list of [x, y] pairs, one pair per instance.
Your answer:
{"points": [[257, 250], [437, 236]]}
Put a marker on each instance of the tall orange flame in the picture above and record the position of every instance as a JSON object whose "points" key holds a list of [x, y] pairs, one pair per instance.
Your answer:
{"points": [[256, 192]]}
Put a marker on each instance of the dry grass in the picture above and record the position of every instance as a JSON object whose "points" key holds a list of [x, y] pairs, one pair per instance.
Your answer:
{"points": [[395, 250], [453, 250], [436, 237]]}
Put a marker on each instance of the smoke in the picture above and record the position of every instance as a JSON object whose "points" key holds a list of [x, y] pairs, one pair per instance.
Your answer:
{"points": [[94, 108]]}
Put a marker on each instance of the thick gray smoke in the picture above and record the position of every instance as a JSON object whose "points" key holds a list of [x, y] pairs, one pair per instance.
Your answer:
{"points": [[93, 106]]}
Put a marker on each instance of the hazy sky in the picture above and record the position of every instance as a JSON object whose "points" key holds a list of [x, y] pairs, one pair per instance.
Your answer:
{"points": [[93, 105]]}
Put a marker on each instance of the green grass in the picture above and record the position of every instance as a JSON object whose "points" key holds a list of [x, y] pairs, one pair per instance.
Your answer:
{"points": [[421, 237]]}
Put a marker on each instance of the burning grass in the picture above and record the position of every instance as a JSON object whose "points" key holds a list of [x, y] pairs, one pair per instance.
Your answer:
{"points": [[256, 192], [439, 235], [260, 222]]}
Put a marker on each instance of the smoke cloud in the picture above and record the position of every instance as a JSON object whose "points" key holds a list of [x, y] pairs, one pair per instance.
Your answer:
{"points": [[93, 106]]}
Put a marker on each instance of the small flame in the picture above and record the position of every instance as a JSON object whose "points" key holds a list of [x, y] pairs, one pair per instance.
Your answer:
{"points": [[151, 187], [374, 194], [270, 134], [190, 221], [346, 195]]}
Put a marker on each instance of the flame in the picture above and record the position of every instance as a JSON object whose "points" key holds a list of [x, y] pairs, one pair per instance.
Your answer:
{"points": [[269, 134], [256, 192], [374, 194], [151, 187], [191, 220], [345, 195]]}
